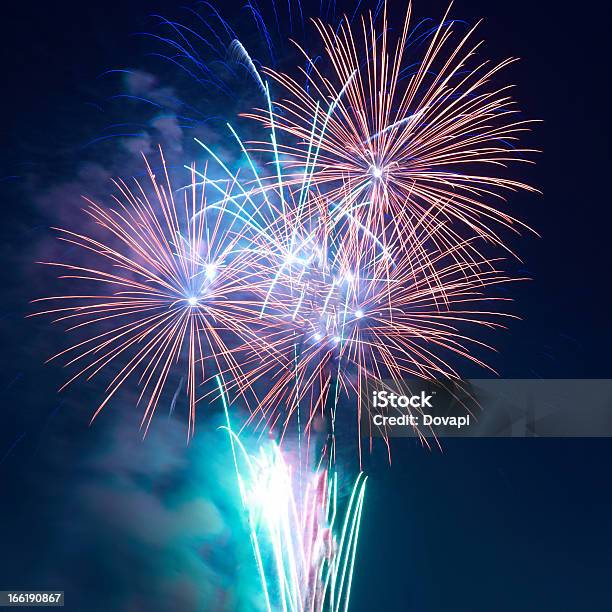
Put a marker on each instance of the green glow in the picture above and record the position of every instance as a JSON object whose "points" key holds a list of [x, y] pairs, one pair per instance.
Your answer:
{"points": [[302, 565]]}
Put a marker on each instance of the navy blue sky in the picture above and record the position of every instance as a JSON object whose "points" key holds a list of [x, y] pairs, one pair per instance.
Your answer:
{"points": [[485, 525]]}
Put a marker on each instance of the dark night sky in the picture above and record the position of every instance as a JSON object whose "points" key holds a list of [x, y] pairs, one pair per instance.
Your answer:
{"points": [[485, 525]]}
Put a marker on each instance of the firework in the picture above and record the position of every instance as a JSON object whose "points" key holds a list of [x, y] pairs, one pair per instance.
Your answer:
{"points": [[345, 252], [348, 303], [344, 316], [304, 551], [327, 263], [171, 280], [429, 136]]}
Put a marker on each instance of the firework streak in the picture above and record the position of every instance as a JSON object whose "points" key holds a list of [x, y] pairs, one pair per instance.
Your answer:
{"points": [[169, 274], [302, 563], [402, 134]]}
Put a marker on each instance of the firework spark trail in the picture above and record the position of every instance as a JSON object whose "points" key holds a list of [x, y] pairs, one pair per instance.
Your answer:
{"points": [[172, 283], [241, 55], [208, 40], [305, 563], [402, 139]]}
